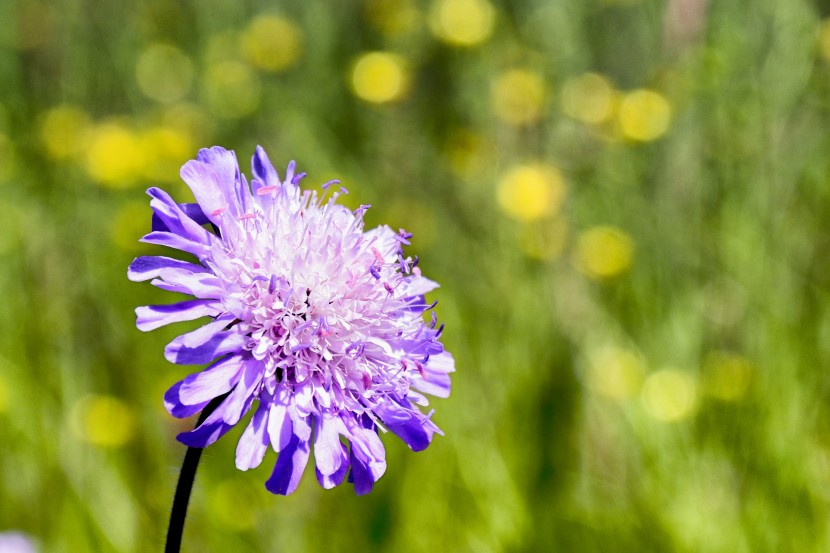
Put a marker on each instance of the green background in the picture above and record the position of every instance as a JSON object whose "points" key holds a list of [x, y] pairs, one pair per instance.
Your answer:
{"points": [[640, 320]]}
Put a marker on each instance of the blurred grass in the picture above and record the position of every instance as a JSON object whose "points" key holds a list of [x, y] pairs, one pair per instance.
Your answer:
{"points": [[625, 202]]}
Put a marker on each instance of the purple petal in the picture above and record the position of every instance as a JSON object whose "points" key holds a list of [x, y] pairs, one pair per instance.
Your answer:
{"points": [[199, 286], [418, 286], [172, 217], [209, 431], [332, 480], [194, 211], [215, 344], [172, 240], [363, 474], [436, 379], [230, 181], [409, 424], [151, 317], [147, 267], [328, 451], [280, 427], [368, 458], [254, 441], [174, 405], [289, 468], [201, 387], [240, 399], [207, 188]]}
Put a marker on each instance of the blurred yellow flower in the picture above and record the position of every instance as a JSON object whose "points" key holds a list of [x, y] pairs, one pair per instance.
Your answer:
{"points": [[4, 395], [644, 115], [544, 239], [588, 98], [103, 420], [670, 395], [727, 376], [393, 17], [114, 154], [528, 192], [519, 97], [166, 149], [615, 373], [380, 77], [824, 38], [603, 252], [272, 43], [62, 131], [462, 22], [231, 89], [164, 73]]}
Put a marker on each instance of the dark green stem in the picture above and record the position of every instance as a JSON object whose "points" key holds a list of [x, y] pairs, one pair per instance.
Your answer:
{"points": [[185, 485]]}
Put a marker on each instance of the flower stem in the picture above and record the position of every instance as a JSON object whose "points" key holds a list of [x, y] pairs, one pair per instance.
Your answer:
{"points": [[185, 485]]}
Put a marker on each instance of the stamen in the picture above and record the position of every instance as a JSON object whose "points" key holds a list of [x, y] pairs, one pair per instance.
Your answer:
{"points": [[219, 211], [265, 190]]}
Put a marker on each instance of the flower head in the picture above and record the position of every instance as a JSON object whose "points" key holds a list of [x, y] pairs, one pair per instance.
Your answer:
{"points": [[317, 325]]}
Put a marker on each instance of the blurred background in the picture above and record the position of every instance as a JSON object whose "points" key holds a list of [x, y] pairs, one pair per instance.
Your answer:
{"points": [[626, 203]]}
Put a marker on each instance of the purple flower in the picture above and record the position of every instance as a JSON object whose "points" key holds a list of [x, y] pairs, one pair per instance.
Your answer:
{"points": [[317, 326]]}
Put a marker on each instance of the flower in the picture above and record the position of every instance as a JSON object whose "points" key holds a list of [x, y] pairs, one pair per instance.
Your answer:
{"points": [[16, 542], [314, 320]]}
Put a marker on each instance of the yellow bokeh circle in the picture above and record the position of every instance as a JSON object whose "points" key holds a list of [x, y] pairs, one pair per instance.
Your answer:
{"points": [[272, 43], [727, 376], [164, 73], [529, 192], [519, 97], [114, 154], [616, 373], [604, 252], [462, 22], [103, 420], [588, 98], [670, 395], [62, 131], [824, 39], [380, 77], [166, 149], [644, 115]]}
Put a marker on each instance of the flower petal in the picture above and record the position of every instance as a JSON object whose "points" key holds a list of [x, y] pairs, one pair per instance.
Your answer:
{"points": [[264, 172], [177, 242], [280, 426], [231, 183], [146, 267], [240, 399], [328, 451], [407, 422], [208, 432], [206, 346], [174, 405], [289, 467], [254, 441], [151, 317], [201, 387], [331, 480], [435, 379]]}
